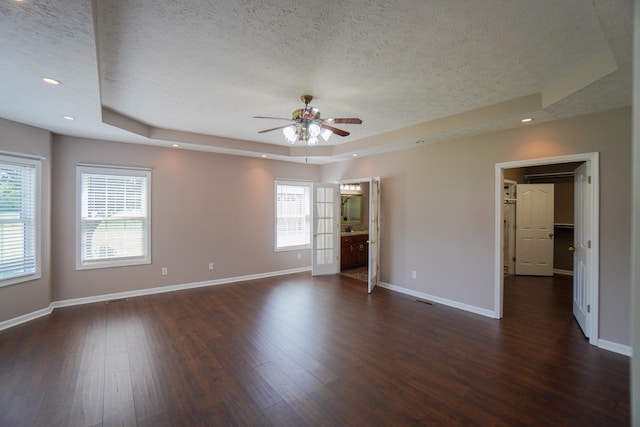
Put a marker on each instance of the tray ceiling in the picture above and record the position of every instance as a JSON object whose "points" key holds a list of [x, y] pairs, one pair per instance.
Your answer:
{"points": [[194, 73]]}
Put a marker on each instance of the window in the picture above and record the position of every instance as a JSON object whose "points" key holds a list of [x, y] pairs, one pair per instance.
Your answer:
{"points": [[293, 215], [19, 220], [114, 222]]}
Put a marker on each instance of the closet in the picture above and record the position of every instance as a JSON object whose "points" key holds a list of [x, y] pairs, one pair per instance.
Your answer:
{"points": [[562, 177]]}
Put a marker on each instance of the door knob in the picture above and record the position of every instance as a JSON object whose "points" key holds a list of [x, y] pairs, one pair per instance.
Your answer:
{"points": [[551, 235], [571, 249]]}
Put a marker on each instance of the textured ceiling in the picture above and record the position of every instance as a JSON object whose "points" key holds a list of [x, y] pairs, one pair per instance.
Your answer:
{"points": [[195, 73]]}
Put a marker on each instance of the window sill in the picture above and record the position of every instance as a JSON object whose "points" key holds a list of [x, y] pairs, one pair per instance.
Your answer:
{"points": [[20, 279], [111, 264]]}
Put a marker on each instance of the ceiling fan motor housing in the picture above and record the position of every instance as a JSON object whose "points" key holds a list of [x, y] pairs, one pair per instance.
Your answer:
{"points": [[307, 124]]}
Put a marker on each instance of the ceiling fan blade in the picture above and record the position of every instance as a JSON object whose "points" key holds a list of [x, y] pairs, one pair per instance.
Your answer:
{"points": [[349, 121], [335, 130], [276, 128], [272, 118]]}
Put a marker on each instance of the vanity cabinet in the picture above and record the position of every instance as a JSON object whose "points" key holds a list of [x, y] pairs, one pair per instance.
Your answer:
{"points": [[354, 251]]}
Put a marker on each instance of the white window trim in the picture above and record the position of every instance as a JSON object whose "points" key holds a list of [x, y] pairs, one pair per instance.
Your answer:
{"points": [[117, 262], [24, 159], [308, 184]]}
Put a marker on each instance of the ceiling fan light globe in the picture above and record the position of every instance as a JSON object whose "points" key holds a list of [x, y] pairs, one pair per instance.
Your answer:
{"points": [[312, 140], [290, 134], [314, 129], [325, 134]]}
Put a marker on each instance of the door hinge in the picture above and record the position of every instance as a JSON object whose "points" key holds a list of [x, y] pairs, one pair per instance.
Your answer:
{"points": [[588, 308], [589, 179], [589, 244]]}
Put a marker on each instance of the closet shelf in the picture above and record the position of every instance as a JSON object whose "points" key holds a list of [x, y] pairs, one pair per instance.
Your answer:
{"points": [[562, 225]]}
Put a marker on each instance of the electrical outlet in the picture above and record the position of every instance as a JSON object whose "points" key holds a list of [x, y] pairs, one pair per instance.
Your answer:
{"points": [[414, 274], [164, 271], [210, 266]]}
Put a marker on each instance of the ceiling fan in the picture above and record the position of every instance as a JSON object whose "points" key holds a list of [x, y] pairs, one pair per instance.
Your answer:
{"points": [[306, 124]]}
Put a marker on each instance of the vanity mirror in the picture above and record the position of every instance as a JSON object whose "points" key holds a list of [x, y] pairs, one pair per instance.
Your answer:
{"points": [[351, 208]]}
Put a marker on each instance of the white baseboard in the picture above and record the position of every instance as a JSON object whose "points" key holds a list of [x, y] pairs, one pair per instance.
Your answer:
{"points": [[140, 292], [439, 300], [10, 323], [625, 350]]}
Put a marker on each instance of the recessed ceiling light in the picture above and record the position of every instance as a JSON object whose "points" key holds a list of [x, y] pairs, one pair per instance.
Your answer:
{"points": [[68, 117], [175, 145], [264, 156], [527, 120], [354, 155], [50, 81]]}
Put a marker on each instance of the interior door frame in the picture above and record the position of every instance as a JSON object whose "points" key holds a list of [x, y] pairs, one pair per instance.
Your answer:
{"points": [[593, 281]]}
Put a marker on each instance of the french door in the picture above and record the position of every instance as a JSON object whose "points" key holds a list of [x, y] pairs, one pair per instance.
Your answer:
{"points": [[326, 226], [374, 233]]}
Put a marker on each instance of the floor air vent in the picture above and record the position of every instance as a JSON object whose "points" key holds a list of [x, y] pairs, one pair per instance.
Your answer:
{"points": [[425, 302], [111, 301]]}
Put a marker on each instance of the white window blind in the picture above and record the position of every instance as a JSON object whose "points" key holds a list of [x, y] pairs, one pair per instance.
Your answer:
{"points": [[293, 215], [19, 220], [114, 217]]}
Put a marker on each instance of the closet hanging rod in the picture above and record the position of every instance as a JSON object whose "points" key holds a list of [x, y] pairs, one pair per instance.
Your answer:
{"points": [[549, 175]]}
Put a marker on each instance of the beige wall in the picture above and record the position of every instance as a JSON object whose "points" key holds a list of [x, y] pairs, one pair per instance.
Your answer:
{"points": [[27, 297], [438, 209], [437, 213], [205, 208]]}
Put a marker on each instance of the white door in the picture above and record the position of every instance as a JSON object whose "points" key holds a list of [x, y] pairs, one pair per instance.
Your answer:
{"points": [[534, 229], [582, 243], [326, 240], [374, 233]]}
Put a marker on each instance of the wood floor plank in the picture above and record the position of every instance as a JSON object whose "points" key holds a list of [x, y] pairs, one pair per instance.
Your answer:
{"points": [[295, 396], [150, 392], [87, 401], [302, 350], [119, 409], [281, 414], [19, 411]]}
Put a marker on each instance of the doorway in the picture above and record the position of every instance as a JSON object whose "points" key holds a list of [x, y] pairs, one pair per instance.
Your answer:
{"points": [[359, 230], [591, 225]]}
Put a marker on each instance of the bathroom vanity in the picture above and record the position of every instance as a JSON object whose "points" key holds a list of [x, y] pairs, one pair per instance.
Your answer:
{"points": [[354, 249]]}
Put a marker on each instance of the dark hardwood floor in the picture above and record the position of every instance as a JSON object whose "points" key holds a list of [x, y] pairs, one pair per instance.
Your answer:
{"points": [[296, 350]]}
